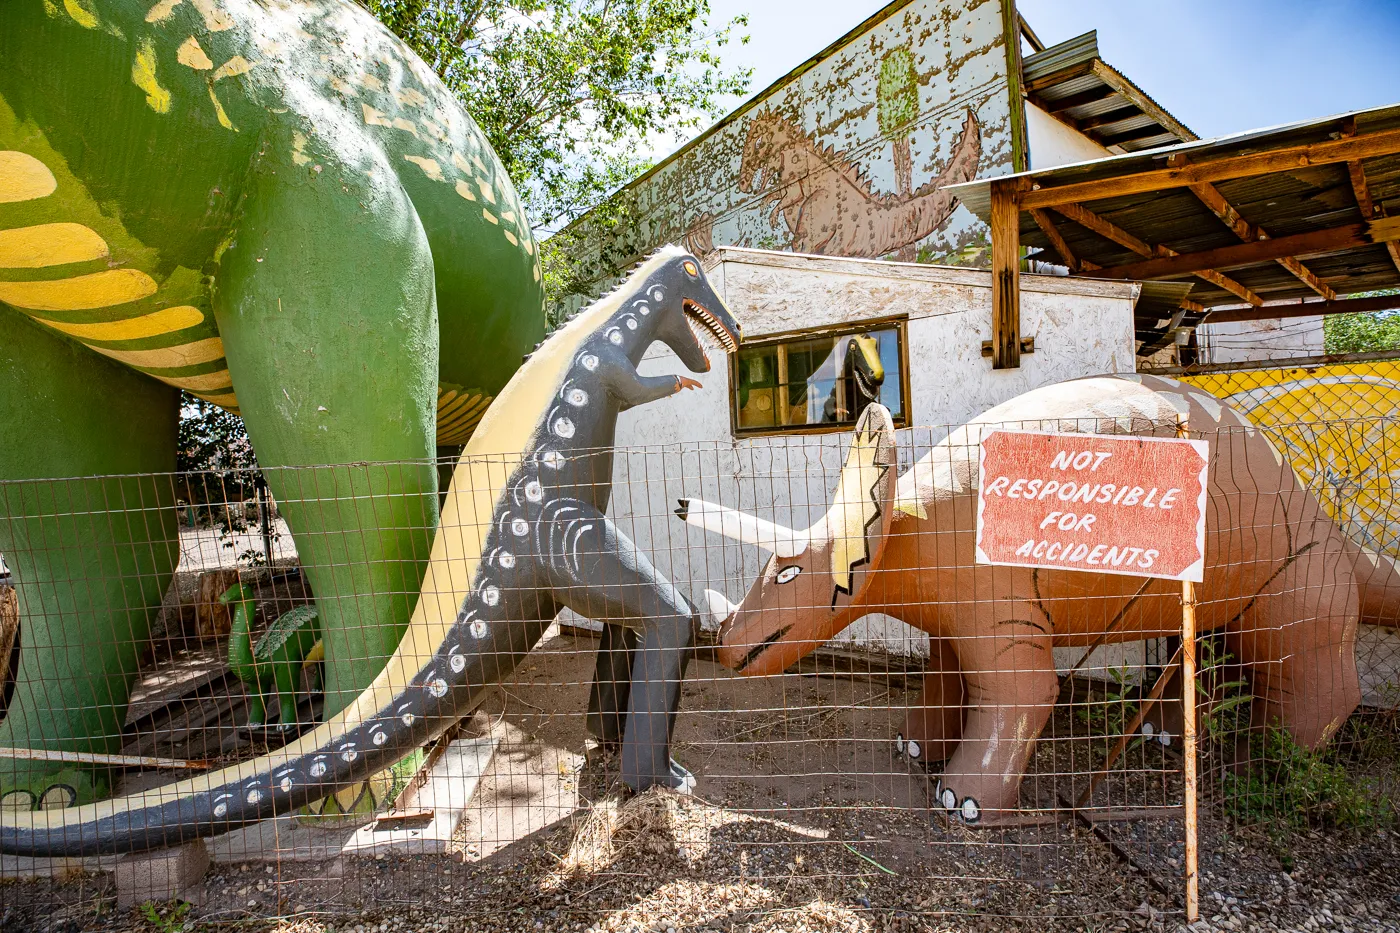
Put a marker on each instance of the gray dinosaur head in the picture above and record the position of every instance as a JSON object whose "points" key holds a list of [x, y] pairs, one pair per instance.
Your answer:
{"points": [[672, 303]]}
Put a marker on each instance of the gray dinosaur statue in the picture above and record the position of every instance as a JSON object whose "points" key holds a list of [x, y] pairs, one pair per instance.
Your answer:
{"points": [[523, 535]]}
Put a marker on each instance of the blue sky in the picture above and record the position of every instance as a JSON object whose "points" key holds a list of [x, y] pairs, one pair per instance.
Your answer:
{"points": [[1219, 66]]}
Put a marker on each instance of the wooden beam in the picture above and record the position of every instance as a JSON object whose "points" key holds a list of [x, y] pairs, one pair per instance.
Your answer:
{"points": [[1108, 119], [1006, 275], [1370, 210], [1029, 33], [1272, 312], [1091, 96], [1211, 197], [1047, 227], [1286, 159], [1106, 229], [1147, 105], [1331, 240]]}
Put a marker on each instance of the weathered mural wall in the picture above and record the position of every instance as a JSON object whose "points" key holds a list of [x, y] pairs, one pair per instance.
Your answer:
{"points": [[844, 157]]}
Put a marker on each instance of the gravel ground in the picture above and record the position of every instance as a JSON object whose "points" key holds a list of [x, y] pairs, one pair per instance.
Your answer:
{"points": [[804, 820]]}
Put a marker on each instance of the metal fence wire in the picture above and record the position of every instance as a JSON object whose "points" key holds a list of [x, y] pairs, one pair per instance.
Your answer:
{"points": [[158, 628]]}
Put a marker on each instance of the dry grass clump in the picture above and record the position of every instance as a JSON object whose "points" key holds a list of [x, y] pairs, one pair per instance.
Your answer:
{"points": [[656, 822]]}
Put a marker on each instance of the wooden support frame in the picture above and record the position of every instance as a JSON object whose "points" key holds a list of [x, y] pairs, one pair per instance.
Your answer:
{"points": [[1330, 240], [1106, 229], [1305, 309], [1211, 197], [1286, 159], [1370, 210], [1006, 273]]}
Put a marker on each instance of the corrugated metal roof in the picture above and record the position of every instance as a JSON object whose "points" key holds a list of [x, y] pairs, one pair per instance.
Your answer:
{"points": [[1075, 86], [1296, 200]]}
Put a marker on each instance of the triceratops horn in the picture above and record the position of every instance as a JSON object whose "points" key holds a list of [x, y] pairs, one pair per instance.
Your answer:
{"points": [[718, 608], [740, 526]]}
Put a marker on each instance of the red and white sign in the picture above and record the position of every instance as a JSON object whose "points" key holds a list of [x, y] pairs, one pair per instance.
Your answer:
{"points": [[1127, 505]]}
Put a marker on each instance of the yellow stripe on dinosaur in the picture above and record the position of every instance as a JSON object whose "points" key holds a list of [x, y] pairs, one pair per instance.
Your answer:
{"points": [[205, 383], [186, 354], [49, 245], [164, 321], [80, 293], [23, 177]]}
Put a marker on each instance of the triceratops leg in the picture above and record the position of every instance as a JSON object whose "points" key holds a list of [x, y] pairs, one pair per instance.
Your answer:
{"points": [[1298, 641], [598, 572], [1011, 688]]}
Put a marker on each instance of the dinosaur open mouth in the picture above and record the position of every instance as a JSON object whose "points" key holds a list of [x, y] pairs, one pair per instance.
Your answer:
{"points": [[696, 312]]}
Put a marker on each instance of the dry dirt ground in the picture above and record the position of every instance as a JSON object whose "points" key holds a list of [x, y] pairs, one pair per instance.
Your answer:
{"points": [[804, 819]]}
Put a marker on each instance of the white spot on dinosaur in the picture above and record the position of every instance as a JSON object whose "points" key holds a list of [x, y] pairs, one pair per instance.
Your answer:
{"points": [[430, 167], [506, 559], [657, 293], [564, 428], [238, 65], [191, 55], [254, 797], [490, 595], [478, 628], [318, 769], [589, 362], [520, 527], [534, 491], [615, 336], [552, 459], [437, 687], [458, 663], [577, 398]]}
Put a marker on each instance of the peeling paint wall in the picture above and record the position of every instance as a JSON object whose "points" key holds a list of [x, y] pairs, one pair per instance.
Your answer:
{"points": [[685, 446], [842, 158]]}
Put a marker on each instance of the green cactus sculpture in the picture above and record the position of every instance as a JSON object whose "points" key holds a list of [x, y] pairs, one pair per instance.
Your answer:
{"points": [[276, 661]]}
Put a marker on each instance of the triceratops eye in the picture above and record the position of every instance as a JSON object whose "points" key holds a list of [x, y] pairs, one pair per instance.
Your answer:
{"points": [[788, 574]]}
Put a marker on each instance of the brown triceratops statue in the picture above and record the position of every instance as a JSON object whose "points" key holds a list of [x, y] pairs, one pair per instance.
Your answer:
{"points": [[1283, 582]]}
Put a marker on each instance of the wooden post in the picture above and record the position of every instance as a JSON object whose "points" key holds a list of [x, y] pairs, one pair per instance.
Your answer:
{"points": [[1006, 279], [1188, 731]]}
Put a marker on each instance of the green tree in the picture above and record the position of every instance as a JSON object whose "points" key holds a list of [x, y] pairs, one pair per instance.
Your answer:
{"points": [[572, 93], [1358, 333]]}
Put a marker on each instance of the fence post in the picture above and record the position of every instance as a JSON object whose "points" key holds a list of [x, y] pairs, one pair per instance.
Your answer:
{"points": [[1188, 729]]}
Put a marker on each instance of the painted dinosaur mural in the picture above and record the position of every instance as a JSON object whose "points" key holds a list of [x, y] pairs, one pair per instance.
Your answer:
{"points": [[523, 535], [1282, 580], [278, 207], [828, 204]]}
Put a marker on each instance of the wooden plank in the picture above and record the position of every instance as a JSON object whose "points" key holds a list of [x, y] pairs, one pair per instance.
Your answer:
{"points": [[1287, 159], [1006, 276], [1305, 309], [1330, 240], [1361, 188], [1047, 227], [94, 758], [1106, 229]]}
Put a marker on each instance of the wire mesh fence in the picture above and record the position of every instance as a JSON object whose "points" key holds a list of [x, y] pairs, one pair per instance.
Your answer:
{"points": [[216, 637]]}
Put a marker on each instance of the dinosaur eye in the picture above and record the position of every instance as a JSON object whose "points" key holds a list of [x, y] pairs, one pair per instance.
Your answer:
{"points": [[691, 270], [788, 574]]}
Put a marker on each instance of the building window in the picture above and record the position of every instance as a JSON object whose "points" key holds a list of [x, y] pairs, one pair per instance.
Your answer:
{"points": [[820, 381]]}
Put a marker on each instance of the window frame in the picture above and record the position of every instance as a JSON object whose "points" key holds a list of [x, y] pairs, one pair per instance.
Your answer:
{"points": [[899, 323]]}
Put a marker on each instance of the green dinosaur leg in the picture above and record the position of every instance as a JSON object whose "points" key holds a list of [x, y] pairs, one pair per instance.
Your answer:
{"points": [[326, 306], [286, 674], [257, 708], [91, 557]]}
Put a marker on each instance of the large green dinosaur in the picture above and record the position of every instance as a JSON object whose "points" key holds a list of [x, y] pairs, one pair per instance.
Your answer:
{"points": [[274, 205]]}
